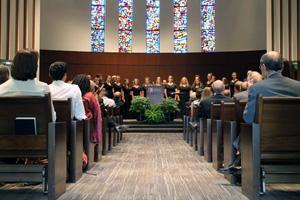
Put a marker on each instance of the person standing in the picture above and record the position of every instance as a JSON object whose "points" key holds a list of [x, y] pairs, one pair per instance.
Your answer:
{"points": [[184, 91], [170, 88], [136, 89], [109, 87]]}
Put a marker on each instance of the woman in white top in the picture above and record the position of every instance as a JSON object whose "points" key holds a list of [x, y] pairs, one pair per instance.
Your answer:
{"points": [[23, 81]]}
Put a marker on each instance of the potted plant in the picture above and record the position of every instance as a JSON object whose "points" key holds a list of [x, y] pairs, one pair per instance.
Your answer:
{"points": [[139, 105], [169, 107], [154, 115]]}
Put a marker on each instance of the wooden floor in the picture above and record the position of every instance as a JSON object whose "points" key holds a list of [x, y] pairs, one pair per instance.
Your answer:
{"points": [[150, 166]]}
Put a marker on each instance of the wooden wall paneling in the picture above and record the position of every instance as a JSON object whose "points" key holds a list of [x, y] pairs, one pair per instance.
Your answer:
{"points": [[17, 26], [141, 64], [25, 24], [33, 24], [0, 27], [7, 29]]}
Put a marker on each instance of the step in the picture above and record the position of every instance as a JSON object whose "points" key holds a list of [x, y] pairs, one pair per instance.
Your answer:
{"points": [[134, 121], [154, 130], [155, 126]]}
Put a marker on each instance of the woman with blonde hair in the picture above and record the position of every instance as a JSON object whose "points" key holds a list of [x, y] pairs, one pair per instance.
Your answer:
{"points": [[183, 96]]}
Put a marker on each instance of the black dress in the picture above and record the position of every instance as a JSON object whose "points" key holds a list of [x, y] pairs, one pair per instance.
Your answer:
{"points": [[127, 103], [109, 90], [184, 97], [231, 87], [171, 89], [195, 88], [208, 84], [136, 90], [117, 88], [145, 89]]}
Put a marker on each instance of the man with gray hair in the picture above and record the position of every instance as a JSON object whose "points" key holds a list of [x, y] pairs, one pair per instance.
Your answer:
{"points": [[274, 83], [218, 88], [253, 77]]}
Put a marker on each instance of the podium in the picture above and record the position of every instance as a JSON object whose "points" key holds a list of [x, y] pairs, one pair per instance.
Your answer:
{"points": [[155, 94]]}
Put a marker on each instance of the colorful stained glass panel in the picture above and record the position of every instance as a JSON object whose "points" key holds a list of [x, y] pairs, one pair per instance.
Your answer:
{"points": [[97, 40], [98, 2], [178, 3], [208, 2], [208, 40], [125, 41], [208, 17], [97, 25], [180, 18], [153, 41], [125, 3], [153, 3], [98, 17], [125, 18], [152, 18], [180, 41]]}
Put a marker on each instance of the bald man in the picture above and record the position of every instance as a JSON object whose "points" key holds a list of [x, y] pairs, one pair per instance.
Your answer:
{"points": [[218, 89], [274, 84]]}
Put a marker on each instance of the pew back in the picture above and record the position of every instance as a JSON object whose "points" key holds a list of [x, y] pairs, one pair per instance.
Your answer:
{"points": [[12, 145], [228, 111], [215, 111], [278, 118]]}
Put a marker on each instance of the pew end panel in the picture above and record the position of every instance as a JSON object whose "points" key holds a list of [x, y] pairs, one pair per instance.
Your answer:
{"points": [[89, 147], [64, 112], [217, 144]]}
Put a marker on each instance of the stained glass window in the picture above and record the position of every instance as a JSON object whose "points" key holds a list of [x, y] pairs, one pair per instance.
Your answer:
{"points": [[97, 25], [180, 26], [125, 25], [152, 26], [208, 28]]}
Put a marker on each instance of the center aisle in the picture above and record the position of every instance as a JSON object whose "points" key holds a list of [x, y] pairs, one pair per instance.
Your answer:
{"points": [[152, 166]]}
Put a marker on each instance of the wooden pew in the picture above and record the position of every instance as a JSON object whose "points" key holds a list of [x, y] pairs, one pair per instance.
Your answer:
{"points": [[63, 110], [202, 131], [49, 142], [271, 145], [88, 146], [231, 117], [104, 135], [227, 113], [110, 130], [194, 125], [210, 130]]}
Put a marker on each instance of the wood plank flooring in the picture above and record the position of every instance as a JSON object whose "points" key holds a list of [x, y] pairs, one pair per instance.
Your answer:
{"points": [[150, 166]]}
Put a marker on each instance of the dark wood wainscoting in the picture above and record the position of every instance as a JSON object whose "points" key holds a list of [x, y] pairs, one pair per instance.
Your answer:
{"points": [[131, 65]]}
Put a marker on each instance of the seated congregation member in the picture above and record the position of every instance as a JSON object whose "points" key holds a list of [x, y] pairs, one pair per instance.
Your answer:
{"points": [[218, 89], [184, 91], [209, 80], [197, 84], [62, 91], [136, 89], [146, 84], [158, 81], [253, 77], [109, 87], [232, 83], [170, 88], [4, 74], [274, 83], [108, 102], [127, 97], [23, 81], [92, 108]]}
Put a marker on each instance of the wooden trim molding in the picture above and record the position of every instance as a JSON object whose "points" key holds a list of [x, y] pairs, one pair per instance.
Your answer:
{"points": [[25, 25], [33, 24], [7, 30], [281, 28], [0, 26], [17, 26], [298, 31], [290, 28], [272, 21]]}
